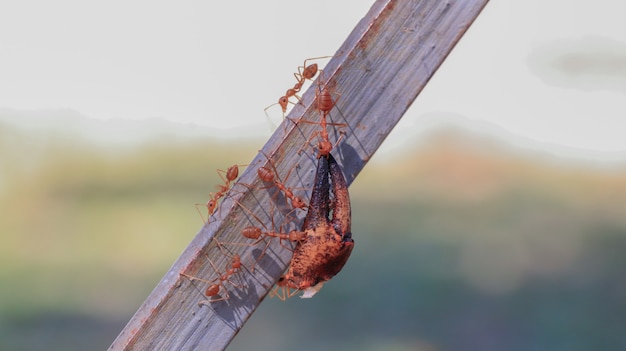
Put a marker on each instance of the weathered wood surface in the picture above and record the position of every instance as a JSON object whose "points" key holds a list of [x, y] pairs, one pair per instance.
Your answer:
{"points": [[377, 73]]}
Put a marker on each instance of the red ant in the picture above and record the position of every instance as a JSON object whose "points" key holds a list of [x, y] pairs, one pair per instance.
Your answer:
{"points": [[270, 176], [252, 232], [218, 283], [305, 72], [258, 234], [231, 174], [325, 104]]}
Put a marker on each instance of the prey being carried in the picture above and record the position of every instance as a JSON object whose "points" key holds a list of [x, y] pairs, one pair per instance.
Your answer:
{"points": [[328, 242]]}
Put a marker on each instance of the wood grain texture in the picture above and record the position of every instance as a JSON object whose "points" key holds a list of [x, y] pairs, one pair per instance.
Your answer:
{"points": [[376, 74]]}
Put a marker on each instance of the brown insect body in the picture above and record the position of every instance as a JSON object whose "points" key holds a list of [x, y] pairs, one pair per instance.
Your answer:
{"points": [[231, 174], [305, 72], [324, 103], [269, 176], [329, 243], [212, 291]]}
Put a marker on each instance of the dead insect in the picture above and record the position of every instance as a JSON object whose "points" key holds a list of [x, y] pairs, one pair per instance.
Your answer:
{"points": [[328, 243]]}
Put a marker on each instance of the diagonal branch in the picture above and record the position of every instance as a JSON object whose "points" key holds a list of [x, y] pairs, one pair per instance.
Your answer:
{"points": [[378, 72]]}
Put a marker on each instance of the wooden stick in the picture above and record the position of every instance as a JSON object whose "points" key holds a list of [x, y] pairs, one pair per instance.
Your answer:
{"points": [[378, 71]]}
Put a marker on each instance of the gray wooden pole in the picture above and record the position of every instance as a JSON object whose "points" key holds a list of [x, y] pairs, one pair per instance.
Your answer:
{"points": [[376, 74]]}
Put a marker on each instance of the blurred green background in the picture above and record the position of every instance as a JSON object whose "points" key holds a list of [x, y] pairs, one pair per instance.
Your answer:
{"points": [[462, 243]]}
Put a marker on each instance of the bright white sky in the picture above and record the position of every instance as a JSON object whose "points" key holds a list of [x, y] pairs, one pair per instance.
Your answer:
{"points": [[549, 71]]}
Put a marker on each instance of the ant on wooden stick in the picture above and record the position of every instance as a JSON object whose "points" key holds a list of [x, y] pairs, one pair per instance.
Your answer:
{"points": [[270, 175], [218, 283], [305, 72], [260, 234], [324, 104], [228, 176]]}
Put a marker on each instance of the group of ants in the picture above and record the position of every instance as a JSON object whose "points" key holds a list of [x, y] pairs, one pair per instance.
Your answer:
{"points": [[322, 245]]}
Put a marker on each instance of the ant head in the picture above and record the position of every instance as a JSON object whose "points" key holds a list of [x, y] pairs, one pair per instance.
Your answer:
{"points": [[297, 202], [324, 147], [283, 101], [211, 205]]}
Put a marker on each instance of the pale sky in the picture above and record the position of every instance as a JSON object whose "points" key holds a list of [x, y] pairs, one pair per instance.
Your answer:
{"points": [[548, 71]]}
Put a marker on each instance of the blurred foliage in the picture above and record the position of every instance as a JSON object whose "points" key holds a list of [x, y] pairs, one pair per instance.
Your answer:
{"points": [[461, 243]]}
